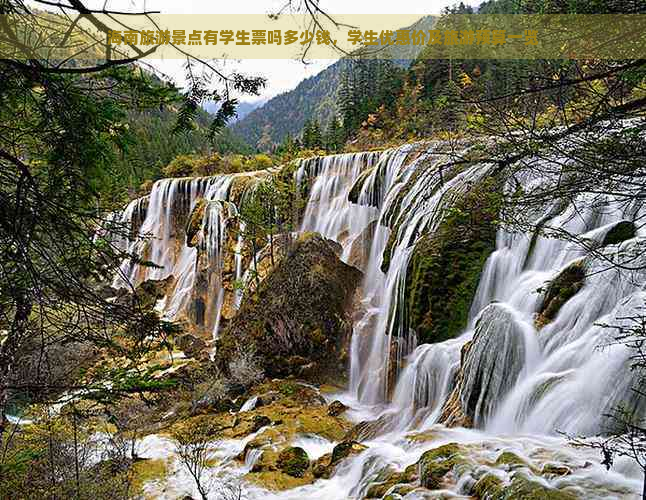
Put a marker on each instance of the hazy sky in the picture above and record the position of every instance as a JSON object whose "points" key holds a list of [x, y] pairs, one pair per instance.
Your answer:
{"points": [[281, 74]]}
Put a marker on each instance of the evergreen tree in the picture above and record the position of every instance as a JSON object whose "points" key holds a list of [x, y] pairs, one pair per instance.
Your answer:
{"points": [[316, 137], [334, 135]]}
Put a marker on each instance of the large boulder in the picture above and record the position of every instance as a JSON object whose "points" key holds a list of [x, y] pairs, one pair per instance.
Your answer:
{"points": [[490, 366], [298, 321]]}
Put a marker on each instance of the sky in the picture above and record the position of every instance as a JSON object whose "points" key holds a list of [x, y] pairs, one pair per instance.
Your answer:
{"points": [[281, 74]]}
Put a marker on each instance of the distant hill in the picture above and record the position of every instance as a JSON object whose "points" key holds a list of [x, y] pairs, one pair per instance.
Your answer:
{"points": [[313, 98], [243, 109]]}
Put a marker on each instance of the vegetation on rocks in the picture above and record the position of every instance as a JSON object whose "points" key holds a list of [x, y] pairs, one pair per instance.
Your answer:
{"points": [[622, 231], [293, 461], [561, 289], [299, 318], [437, 463], [444, 270]]}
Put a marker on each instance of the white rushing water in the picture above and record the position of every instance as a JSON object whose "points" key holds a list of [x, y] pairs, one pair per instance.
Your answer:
{"points": [[564, 378], [162, 241], [524, 386]]}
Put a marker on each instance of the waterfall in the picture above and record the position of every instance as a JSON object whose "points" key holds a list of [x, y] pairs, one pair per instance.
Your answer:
{"points": [[162, 242], [510, 371], [543, 382]]}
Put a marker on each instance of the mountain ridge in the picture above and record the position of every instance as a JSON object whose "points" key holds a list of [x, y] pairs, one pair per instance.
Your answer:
{"points": [[314, 98]]}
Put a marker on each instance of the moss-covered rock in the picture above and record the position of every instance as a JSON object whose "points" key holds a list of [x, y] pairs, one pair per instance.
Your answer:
{"points": [[445, 267], [561, 289], [390, 481], [345, 449], [510, 460], [434, 464], [277, 480], [527, 489], [293, 461], [555, 470], [488, 487], [336, 408], [621, 231], [324, 466], [299, 319]]}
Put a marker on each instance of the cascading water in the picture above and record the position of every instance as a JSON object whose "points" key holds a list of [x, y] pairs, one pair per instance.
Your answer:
{"points": [[566, 350], [515, 380], [557, 379], [162, 241]]}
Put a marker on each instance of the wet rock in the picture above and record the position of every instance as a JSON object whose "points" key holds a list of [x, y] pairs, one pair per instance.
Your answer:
{"points": [[488, 486], [561, 289], [360, 247], [194, 224], [344, 450], [357, 187], [192, 346], [324, 466], [321, 467], [259, 421], [336, 408], [293, 461], [369, 429], [523, 487], [303, 308], [621, 231], [434, 464], [490, 365], [392, 482], [510, 460], [453, 414], [555, 470], [266, 462]]}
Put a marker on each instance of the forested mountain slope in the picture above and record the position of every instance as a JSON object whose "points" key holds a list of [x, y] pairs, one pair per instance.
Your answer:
{"points": [[315, 98]]}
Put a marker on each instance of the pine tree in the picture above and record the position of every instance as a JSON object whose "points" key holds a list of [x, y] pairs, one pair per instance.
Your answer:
{"points": [[334, 135], [316, 137], [307, 134]]}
